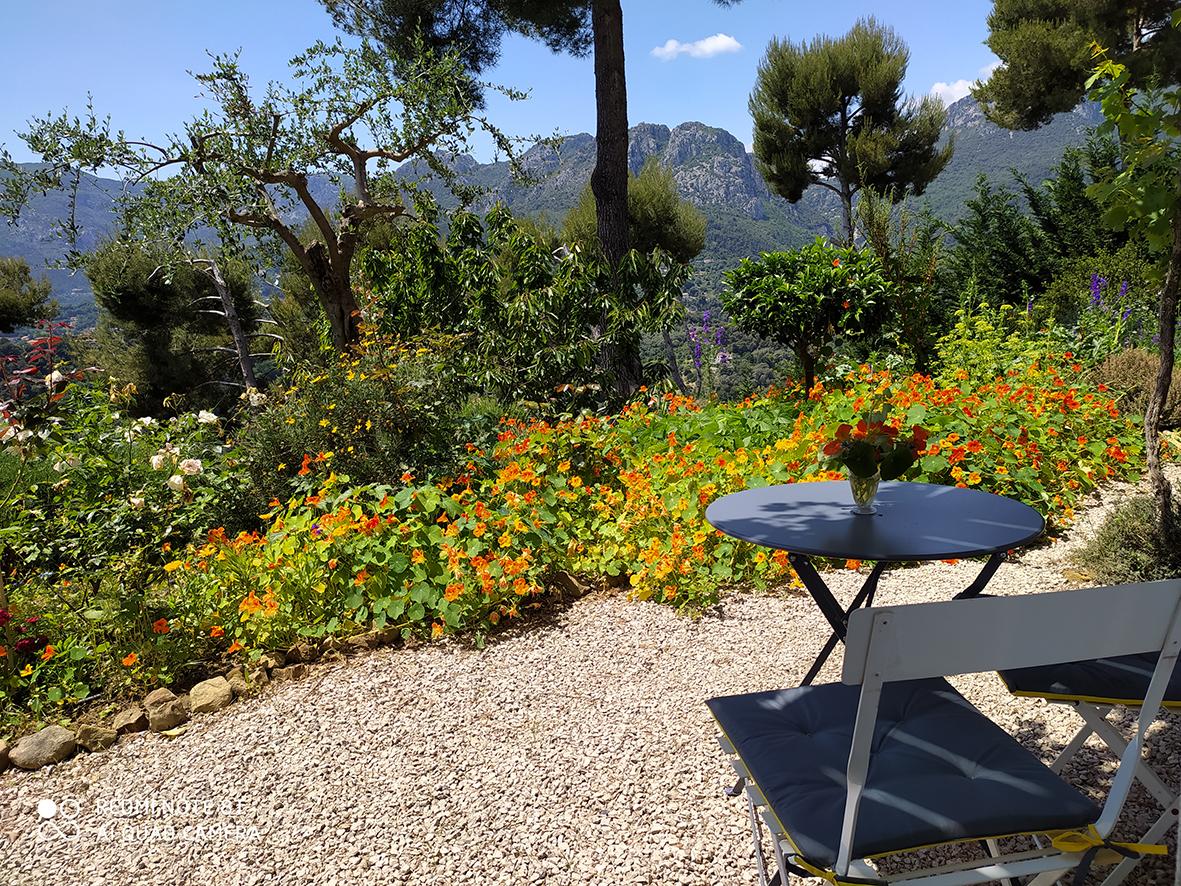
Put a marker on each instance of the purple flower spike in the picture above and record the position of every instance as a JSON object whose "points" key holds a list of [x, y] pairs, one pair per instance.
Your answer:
{"points": [[1097, 285]]}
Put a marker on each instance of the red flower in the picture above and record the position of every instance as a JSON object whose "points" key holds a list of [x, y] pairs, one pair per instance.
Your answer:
{"points": [[160, 626]]}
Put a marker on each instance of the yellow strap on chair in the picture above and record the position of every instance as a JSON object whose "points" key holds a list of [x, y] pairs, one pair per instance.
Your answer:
{"points": [[1081, 841]]}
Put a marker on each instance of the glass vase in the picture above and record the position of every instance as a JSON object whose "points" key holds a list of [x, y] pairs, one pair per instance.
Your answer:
{"points": [[865, 490]]}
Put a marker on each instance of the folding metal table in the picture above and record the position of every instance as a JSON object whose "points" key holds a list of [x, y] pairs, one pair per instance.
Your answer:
{"points": [[911, 522]]}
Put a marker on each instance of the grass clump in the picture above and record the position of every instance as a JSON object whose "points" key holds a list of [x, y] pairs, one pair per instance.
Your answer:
{"points": [[1128, 547]]}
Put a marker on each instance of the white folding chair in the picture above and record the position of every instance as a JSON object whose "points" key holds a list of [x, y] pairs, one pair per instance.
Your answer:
{"points": [[843, 776], [1093, 688]]}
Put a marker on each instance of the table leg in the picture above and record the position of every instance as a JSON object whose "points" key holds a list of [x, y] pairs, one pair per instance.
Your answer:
{"points": [[985, 576], [830, 607]]}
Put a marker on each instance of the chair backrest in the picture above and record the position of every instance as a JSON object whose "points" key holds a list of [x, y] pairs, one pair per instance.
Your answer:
{"points": [[993, 633], [911, 642]]}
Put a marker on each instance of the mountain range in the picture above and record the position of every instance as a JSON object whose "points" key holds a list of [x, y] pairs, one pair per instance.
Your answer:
{"points": [[711, 167]]}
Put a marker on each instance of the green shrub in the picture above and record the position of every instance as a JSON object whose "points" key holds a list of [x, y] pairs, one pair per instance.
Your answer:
{"points": [[1070, 295], [806, 298], [987, 342], [1132, 373], [384, 410], [1127, 547]]}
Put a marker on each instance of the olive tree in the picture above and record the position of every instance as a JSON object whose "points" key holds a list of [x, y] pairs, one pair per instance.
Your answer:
{"points": [[325, 147]]}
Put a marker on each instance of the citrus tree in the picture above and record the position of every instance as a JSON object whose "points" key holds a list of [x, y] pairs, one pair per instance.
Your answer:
{"points": [[805, 298]]}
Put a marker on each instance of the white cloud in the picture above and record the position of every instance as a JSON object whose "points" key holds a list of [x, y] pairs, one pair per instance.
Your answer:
{"points": [[706, 47], [950, 93]]}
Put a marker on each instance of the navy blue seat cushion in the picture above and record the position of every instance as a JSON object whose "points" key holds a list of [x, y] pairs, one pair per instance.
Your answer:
{"points": [[1122, 679], [939, 770]]}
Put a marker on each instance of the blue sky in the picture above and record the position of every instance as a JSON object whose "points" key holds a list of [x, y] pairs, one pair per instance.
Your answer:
{"points": [[133, 56]]}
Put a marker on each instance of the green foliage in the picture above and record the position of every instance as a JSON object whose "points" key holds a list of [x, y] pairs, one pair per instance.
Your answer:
{"points": [[1045, 50], [1069, 217], [23, 299], [911, 250], [526, 314], [805, 298], [657, 216], [373, 415], [156, 326], [622, 496], [95, 500], [475, 29], [827, 113], [1128, 548], [988, 342], [1132, 374], [1000, 248], [1070, 294], [1145, 198]]}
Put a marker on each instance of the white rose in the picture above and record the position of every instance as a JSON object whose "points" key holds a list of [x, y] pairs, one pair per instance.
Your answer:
{"points": [[158, 461], [176, 483], [254, 397], [190, 466], [205, 417], [146, 422], [136, 501]]}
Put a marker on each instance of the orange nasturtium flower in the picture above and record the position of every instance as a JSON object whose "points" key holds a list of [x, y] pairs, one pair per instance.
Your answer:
{"points": [[217, 631], [130, 659], [235, 647], [48, 652], [3, 651], [160, 626]]}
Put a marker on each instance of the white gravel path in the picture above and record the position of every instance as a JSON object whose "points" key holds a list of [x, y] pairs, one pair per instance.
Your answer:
{"points": [[577, 751]]}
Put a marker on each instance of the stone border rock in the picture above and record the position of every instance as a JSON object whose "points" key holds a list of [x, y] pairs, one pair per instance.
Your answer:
{"points": [[163, 711]]}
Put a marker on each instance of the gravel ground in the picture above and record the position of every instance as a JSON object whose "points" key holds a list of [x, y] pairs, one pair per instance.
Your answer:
{"points": [[576, 751]]}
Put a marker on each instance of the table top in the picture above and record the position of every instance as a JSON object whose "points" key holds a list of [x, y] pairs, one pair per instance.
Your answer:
{"points": [[912, 521]]}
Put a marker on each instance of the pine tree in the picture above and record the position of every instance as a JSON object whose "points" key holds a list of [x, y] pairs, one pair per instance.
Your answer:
{"points": [[830, 113]]}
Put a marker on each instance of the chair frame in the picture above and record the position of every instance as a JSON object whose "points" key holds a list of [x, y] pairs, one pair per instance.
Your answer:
{"points": [[1095, 722], [918, 641]]}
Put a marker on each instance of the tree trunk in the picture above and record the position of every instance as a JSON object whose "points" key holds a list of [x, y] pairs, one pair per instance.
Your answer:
{"points": [[674, 367], [808, 364], [241, 342], [1162, 491], [609, 179], [847, 214], [619, 357], [336, 295]]}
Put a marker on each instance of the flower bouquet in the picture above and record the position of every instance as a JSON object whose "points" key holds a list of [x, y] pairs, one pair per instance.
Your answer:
{"points": [[870, 452]]}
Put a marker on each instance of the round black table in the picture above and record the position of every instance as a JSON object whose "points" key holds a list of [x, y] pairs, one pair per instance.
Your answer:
{"points": [[911, 522]]}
